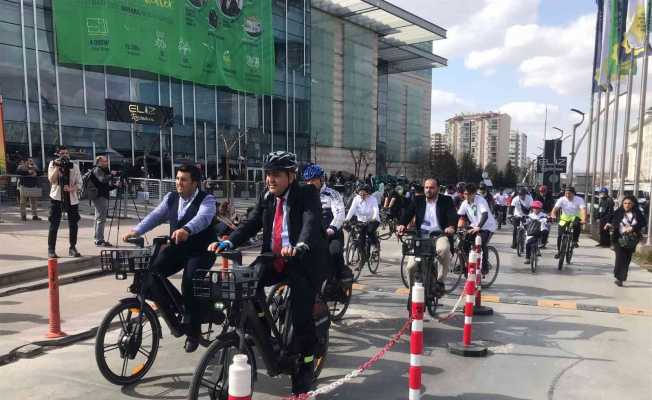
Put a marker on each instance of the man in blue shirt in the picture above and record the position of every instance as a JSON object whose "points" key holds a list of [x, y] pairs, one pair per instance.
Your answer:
{"points": [[190, 212]]}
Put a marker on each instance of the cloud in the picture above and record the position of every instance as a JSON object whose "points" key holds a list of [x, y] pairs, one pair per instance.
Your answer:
{"points": [[444, 105], [445, 99]]}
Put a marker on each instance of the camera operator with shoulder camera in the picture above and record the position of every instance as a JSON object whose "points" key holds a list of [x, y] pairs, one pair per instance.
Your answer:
{"points": [[65, 183]]}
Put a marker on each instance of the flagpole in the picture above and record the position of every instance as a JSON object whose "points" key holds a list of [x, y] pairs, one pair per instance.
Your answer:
{"points": [[614, 131], [641, 108], [603, 162], [594, 151], [628, 111]]}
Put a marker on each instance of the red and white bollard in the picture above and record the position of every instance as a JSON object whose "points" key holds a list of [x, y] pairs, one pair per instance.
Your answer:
{"points": [[416, 340], [239, 378], [467, 348], [54, 316], [478, 308]]}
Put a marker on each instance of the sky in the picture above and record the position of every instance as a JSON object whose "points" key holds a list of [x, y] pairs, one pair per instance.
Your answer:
{"points": [[513, 56]]}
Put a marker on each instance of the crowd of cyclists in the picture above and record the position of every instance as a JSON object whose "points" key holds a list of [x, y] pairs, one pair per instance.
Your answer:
{"points": [[303, 222]]}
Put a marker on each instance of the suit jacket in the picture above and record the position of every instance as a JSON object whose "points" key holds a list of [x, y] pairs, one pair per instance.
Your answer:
{"points": [[304, 226], [446, 214], [618, 216]]}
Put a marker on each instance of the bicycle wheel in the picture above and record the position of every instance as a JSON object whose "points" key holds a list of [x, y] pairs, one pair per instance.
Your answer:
{"points": [[432, 301], [278, 302], [135, 343], [404, 272], [569, 252], [520, 243], [562, 252], [339, 302], [455, 273], [493, 266], [211, 377], [534, 260], [322, 345], [373, 261]]}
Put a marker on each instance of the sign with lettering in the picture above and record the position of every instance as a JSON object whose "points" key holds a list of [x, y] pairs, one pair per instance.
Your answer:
{"points": [[138, 113]]}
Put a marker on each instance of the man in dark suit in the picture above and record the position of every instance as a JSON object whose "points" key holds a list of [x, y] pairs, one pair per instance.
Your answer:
{"points": [[434, 216], [290, 216]]}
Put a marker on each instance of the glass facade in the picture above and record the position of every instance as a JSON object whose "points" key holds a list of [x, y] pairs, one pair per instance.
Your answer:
{"points": [[47, 103]]}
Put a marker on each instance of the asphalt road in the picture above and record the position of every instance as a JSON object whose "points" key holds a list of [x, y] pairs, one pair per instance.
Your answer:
{"points": [[554, 349]]}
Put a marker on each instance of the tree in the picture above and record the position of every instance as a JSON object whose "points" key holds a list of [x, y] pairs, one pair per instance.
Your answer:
{"points": [[444, 167], [468, 170], [360, 158], [510, 176]]}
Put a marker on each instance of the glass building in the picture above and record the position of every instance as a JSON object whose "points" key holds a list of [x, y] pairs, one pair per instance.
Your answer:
{"points": [[350, 77]]}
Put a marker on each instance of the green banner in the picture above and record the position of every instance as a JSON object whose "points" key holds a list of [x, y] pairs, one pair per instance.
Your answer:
{"points": [[212, 42]]}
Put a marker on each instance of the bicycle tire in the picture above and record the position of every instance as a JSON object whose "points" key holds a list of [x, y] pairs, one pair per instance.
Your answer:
{"points": [[520, 243], [322, 351], [100, 349], [373, 262], [494, 267], [356, 254], [569, 253], [223, 351], [404, 272], [455, 277], [562, 252], [534, 261], [431, 306]]}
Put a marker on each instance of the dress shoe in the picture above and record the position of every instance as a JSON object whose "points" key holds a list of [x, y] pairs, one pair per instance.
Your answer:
{"points": [[527, 261], [303, 380], [37, 218], [52, 254], [72, 252], [557, 256], [618, 282], [191, 344]]}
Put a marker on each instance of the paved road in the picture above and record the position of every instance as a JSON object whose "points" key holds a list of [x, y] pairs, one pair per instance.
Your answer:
{"points": [[536, 352]]}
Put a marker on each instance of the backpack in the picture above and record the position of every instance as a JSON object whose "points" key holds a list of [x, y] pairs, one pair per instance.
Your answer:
{"points": [[533, 228], [89, 189]]}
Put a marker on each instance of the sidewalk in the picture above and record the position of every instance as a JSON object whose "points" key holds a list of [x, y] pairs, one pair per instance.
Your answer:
{"points": [[23, 244]]}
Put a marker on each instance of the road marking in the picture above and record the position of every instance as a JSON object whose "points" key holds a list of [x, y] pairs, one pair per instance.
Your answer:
{"points": [[566, 305], [489, 298], [634, 311]]}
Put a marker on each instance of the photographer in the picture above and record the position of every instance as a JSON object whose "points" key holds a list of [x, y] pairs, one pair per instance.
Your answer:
{"points": [[102, 179], [29, 189], [65, 183]]}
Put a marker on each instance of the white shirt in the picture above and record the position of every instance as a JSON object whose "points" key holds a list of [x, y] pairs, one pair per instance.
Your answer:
{"points": [[285, 235], [628, 220], [519, 203], [570, 207], [501, 199], [430, 222], [364, 210], [183, 205], [474, 213]]}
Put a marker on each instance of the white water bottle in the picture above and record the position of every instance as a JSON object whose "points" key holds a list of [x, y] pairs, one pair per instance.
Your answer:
{"points": [[240, 378]]}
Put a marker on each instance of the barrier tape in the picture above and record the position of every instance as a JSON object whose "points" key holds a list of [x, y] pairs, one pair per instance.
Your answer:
{"points": [[454, 310], [357, 372]]}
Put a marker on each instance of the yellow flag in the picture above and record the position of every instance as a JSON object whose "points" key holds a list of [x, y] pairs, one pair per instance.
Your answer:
{"points": [[635, 28]]}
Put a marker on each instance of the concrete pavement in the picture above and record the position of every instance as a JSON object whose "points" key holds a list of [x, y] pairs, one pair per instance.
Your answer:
{"points": [[537, 352]]}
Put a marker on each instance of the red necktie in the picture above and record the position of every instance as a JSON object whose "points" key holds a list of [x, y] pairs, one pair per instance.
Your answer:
{"points": [[277, 241]]}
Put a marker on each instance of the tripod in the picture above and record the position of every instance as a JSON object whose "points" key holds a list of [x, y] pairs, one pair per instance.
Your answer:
{"points": [[121, 200]]}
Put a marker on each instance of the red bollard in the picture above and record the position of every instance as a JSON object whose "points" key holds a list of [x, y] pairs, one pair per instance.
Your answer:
{"points": [[225, 262], [478, 308], [416, 341], [467, 348], [54, 324]]}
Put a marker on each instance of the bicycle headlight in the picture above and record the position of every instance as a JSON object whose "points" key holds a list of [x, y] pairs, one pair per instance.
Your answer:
{"points": [[218, 305]]}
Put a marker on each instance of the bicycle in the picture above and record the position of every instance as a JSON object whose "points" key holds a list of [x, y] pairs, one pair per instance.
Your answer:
{"points": [[567, 245], [337, 295], [387, 221], [425, 255], [358, 252], [136, 331], [458, 265], [257, 321], [520, 235]]}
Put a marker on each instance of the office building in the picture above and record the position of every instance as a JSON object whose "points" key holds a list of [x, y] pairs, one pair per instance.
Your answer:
{"points": [[483, 135]]}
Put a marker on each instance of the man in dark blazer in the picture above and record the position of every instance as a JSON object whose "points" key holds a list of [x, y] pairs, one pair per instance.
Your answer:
{"points": [[434, 215], [290, 216]]}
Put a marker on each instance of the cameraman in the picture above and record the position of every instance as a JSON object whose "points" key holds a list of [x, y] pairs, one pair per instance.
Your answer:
{"points": [[102, 180], [29, 188], [65, 183]]}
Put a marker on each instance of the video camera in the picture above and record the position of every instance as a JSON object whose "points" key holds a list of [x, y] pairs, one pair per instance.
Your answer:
{"points": [[63, 163]]}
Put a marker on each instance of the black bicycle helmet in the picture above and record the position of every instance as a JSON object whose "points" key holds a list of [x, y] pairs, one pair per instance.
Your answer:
{"points": [[280, 161], [365, 188]]}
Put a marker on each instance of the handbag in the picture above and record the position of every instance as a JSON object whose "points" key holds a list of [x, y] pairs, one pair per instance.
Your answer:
{"points": [[31, 191], [628, 240]]}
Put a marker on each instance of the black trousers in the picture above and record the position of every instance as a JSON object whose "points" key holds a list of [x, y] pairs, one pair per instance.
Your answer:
{"points": [[336, 253], [56, 209], [516, 221], [623, 259], [530, 245], [486, 237], [302, 300], [369, 231], [544, 237], [563, 229], [605, 237], [173, 259]]}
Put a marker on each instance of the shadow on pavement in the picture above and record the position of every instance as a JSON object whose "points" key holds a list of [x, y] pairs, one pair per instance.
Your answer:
{"points": [[169, 385], [472, 396], [8, 318], [16, 257], [538, 292]]}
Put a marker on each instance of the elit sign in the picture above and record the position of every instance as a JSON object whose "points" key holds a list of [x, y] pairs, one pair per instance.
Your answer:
{"points": [[138, 113]]}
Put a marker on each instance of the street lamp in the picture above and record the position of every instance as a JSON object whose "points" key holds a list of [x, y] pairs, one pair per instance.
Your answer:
{"points": [[554, 157], [572, 153]]}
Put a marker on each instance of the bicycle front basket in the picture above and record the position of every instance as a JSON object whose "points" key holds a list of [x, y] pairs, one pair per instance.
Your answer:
{"points": [[237, 283], [123, 261]]}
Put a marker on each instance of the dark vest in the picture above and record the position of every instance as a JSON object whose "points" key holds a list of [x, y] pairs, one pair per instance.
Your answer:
{"points": [[197, 242]]}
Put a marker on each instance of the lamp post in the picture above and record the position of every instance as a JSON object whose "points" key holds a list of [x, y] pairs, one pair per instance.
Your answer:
{"points": [[554, 157], [572, 153]]}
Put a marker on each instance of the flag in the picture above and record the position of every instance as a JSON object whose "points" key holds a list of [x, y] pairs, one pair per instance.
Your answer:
{"points": [[611, 52], [635, 27], [603, 73], [597, 46]]}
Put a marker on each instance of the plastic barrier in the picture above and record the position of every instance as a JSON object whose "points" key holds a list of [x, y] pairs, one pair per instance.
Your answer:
{"points": [[240, 378], [54, 317], [416, 341], [467, 348], [478, 308]]}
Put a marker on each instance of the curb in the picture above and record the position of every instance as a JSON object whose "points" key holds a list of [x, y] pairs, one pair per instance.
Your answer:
{"points": [[41, 272], [65, 280]]}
